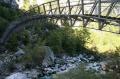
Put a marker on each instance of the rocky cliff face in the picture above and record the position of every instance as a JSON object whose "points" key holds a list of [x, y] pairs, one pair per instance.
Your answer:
{"points": [[14, 3]]}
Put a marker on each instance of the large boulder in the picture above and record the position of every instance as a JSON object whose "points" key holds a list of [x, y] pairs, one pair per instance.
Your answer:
{"points": [[42, 55], [48, 56]]}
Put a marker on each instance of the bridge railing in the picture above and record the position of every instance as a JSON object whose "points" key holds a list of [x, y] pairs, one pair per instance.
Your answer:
{"points": [[73, 7], [99, 10]]}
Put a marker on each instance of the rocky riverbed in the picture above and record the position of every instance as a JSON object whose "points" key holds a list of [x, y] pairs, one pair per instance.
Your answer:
{"points": [[61, 65]]}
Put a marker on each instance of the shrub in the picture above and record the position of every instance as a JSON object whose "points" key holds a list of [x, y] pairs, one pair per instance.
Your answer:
{"points": [[18, 39], [12, 43], [67, 40], [35, 54], [82, 36], [39, 31], [24, 37], [42, 28], [8, 13], [54, 40]]}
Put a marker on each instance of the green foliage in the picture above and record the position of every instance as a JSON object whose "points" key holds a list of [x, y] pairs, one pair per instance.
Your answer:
{"points": [[103, 41], [67, 40], [24, 37], [32, 35], [35, 54], [17, 39], [82, 37], [42, 28], [81, 73], [12, 43], [55, 41], [9, 13]]}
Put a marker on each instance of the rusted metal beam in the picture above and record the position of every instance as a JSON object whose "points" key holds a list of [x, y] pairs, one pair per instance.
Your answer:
{"points": [[102, 24], [69, 8], [77, 17], [44, 9], [82, 8], [99, 13], [50, 6], [59, 10], [91, 12], [39, 9], [58, 5]]}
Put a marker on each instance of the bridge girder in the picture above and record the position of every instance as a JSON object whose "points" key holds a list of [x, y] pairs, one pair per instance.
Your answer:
{"points": [[66, 11]]}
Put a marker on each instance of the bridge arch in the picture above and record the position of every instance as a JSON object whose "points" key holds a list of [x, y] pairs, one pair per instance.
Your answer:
{"points": [[72, 11]]}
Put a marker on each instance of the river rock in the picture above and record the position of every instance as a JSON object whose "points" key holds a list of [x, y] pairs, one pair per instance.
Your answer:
{"points": [[1, 62], [33, 73], [19, 53], [17, 76], [94, 66]]}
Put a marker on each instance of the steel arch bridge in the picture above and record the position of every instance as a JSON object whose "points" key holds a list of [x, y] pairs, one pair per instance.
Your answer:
{"points": [[104, 12]]}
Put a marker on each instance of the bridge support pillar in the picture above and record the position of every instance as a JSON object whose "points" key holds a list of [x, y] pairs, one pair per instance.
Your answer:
{"points": [[44, 9], [119, 27], [69, 8], [82, 8], [99, 14], [59, 10]]}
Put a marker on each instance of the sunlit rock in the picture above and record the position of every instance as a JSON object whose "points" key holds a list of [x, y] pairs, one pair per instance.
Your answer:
{"points": [[17, 76], [94, 66], [19, 53]]}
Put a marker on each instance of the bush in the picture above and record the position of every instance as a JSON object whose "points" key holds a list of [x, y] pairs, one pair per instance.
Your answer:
{"points": [[39, 31], [54, 40], [67, 40], [35, 54], [18, 39], [41, 28], [12, 43], [82, 37], [9, 13]]}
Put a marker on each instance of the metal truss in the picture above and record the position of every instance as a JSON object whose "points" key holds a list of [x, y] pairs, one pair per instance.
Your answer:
{"points": [[85, 11]]}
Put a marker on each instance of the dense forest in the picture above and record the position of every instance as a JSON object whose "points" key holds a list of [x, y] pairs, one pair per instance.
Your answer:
{"points": [[45, 50]]}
